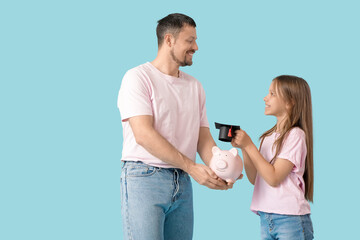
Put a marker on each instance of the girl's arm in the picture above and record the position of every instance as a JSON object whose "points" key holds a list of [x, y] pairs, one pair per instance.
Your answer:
{"points": [[272, 174], [249, 168]]}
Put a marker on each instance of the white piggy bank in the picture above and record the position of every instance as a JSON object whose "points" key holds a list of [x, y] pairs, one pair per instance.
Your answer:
{"points": [[226, 164]]}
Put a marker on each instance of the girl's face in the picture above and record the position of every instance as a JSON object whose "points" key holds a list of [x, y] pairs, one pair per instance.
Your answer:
{"points": [[274, 104]]}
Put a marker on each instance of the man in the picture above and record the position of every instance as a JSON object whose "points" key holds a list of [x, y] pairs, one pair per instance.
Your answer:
{"points": [[164, 125]]}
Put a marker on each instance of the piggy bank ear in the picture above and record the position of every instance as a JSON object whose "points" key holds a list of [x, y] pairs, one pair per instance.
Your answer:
{"points": [[234, 151], [215, 149]]}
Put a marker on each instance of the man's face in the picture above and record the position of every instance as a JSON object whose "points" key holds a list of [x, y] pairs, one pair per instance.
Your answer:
{"points": [[184, 46]]}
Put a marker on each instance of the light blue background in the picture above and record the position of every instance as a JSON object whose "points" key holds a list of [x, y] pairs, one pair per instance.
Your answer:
{"points": [[61, 65]]}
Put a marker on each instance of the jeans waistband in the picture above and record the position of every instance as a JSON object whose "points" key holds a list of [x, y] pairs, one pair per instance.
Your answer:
{"points": [[139, 163]]}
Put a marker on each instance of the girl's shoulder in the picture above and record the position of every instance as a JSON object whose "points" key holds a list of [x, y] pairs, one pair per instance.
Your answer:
{"points": [[296, 132]]}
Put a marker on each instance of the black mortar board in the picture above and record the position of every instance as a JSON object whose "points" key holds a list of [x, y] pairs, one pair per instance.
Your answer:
{"points": [[226, 131]]}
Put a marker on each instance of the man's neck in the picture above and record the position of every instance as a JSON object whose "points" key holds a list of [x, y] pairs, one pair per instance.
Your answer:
{"points": [[166, 66]]}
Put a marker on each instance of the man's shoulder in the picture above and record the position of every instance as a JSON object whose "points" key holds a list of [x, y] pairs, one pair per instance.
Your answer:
{"points": [[189, 77], [140, 68], [137, 72]]}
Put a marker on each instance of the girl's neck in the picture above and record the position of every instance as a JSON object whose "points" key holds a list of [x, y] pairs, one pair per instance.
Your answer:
{"points": [[280, 124]]}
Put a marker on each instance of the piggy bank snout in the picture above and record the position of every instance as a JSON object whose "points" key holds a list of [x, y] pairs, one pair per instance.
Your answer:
{"points": [[221, 165]]}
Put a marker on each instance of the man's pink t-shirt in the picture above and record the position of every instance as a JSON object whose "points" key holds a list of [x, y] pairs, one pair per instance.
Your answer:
{"points": [[176, 104], [288, 198]]}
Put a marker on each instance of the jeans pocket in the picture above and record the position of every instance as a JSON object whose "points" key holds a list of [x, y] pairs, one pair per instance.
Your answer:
{"points": [[140, 171]]}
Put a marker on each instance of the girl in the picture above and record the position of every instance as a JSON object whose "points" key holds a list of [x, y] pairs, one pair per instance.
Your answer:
{"points": [[282, 170]]}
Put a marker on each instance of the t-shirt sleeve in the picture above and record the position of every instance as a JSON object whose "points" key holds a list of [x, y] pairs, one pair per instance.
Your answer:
{"points": [[294, 148], [203, 118], [134, 97]]}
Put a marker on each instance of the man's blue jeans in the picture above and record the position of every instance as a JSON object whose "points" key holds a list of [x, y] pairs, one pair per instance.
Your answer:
{"points": [[156, 203], [286, 227]]}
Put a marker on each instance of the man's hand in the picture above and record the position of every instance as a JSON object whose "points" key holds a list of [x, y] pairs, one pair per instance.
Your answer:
{"points": [[205, 176], [231, 183]]}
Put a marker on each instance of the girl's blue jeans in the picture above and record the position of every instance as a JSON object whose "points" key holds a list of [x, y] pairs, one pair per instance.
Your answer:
{"points": [[289, 227], [156, 203]]}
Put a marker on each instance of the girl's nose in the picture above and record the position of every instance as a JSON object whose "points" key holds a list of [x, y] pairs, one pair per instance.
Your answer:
{"points": [[266, 97]]}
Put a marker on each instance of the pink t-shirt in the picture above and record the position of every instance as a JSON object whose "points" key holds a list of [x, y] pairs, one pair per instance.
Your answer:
{"points": [[287, 198], [177, 105]]}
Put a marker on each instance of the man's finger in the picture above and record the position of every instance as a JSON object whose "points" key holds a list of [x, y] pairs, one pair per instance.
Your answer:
{"points": [[211, 172], [218, 183]]}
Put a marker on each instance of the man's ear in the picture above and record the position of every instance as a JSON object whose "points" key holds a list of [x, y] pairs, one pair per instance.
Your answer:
{"points": [[169, 39]]}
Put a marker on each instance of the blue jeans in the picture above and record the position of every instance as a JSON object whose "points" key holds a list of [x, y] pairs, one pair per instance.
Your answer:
{"points": [[289, 227], [156, 203]]}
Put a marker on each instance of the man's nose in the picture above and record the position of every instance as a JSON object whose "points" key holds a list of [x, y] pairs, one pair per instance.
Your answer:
{"points": [[196, 47]]}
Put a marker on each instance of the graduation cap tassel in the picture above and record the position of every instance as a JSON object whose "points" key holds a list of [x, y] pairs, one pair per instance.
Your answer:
{"points": [[229, 133]]}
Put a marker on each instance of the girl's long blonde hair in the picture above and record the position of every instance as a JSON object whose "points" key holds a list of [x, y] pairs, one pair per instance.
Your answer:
{"points": [[296, 91]]}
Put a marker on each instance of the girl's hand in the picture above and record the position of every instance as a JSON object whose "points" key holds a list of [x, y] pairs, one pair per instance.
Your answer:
{"points": [[241, 139]]}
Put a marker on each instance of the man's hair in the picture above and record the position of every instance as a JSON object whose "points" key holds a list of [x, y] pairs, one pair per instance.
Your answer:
{"points": [[172, 24]]}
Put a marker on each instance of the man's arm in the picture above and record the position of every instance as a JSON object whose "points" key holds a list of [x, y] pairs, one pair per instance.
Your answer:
{"points": [[146, 136], [205, 144]]}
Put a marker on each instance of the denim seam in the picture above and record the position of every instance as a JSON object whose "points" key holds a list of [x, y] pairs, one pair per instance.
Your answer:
{"points": [[271, 225], [126, 206], [303, 226]]}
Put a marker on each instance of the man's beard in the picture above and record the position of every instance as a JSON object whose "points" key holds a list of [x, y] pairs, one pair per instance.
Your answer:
{"points": [[178, 61]]}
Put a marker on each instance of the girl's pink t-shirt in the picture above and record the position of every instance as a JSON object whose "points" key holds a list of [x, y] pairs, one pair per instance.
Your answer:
{"points": [[177, 105], [287, 198]]}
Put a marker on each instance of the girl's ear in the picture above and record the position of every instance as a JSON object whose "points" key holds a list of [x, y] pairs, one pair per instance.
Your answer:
{"points": [[290, 105]]}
